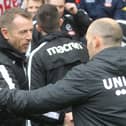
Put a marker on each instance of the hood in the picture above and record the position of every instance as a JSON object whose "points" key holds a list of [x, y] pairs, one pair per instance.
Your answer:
{"points": [[114, 59]]}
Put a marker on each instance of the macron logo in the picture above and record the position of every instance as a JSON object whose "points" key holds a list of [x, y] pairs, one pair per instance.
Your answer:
{"points": [[64, 48]]}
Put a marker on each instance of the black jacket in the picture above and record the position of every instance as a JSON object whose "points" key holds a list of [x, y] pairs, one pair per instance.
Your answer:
{"points": [[12, 71], [97, 92], [51, 60], [56, 54]]}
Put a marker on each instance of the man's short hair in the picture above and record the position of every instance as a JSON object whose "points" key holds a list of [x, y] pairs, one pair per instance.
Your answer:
{"points": [[48, 18], [42, 1], [48, 1], [7, 18]]}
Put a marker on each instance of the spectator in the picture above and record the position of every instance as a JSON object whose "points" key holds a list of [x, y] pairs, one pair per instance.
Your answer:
{"points": [[56, 54], [124, 9], [74, 1], [102, 8], [95, 90], [15, 35], [75, 23], [32, 6]]}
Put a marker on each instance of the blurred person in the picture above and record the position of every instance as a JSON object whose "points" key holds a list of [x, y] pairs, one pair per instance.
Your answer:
{"points": [[52, 59], [123, 26], [75, 22], [20, 2], [74, 1], [95, 90], [68, 24], [103, 8], [15, 36], [32, 6], [124, 9]]}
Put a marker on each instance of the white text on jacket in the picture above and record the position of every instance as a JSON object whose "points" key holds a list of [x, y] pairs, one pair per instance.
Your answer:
{"points": [[117, 83], [64, 48]]}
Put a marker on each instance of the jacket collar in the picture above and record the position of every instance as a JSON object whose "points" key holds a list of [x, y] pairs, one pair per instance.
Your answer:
{"points": [[54, 35], [9, 50]]}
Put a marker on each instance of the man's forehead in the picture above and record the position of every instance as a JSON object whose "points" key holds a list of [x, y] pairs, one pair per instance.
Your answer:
{"points": [[57, 2]]}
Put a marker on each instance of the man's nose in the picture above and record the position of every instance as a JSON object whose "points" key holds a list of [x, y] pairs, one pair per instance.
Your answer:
{"points": [[29, 35]]}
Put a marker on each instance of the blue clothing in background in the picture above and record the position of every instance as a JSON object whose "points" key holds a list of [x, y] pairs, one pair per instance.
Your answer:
{"points": [[103, 8]]}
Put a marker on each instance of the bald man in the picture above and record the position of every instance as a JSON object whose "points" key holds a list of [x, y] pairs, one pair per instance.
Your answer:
{"points": [[96, 91]]}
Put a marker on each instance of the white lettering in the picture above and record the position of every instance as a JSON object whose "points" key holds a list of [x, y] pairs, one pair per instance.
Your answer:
{"points": [[108, 85], [64, 48], [117, 81], [59, 49], [77, 46], [51, 50], [67, 47], [124, 80]]}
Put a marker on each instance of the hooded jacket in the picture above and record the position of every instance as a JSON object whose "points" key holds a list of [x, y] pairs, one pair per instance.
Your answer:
{"points": [[97, 92], [12, 71], [56, 54]]}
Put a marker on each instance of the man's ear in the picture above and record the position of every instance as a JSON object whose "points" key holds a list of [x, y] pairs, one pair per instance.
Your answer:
{"points": [[39, 28], [97, 42], [4, 32], [60, 22]]}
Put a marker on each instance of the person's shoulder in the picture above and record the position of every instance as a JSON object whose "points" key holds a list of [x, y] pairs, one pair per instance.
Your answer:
{"points": [[5, 60], [38, 51]]}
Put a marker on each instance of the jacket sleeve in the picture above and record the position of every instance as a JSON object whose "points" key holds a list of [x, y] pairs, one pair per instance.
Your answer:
{"points": [[69, 91], [7, 77], [8, 81]]}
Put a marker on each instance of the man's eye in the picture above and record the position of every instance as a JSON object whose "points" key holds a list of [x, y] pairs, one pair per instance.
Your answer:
{"points": [[30, 7], [24, 31], [31, 30]]}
